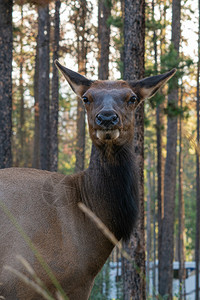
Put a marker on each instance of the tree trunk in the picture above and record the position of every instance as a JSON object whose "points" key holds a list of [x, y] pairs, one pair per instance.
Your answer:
{"points": [[36, 146], [55, 93], [159, 125], [121, 38], [43, 85], [167, 252], [197, 175], [21, 90], [154, 229], [149, 194], [134, 25], [81, 54], [104, 12], [6, 45], [181, 212], [160, 185]]}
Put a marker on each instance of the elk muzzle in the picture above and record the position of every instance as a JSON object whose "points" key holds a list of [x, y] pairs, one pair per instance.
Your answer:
{"points": [[107, 122]]}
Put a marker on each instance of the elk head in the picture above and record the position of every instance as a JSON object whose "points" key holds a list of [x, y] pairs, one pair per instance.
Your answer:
{"points": [[111, 105]]}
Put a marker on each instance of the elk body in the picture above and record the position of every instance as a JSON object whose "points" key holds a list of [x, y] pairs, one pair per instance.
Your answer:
{"points": [[45, 204]]}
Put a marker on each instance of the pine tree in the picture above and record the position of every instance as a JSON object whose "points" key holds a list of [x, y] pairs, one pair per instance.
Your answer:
{"points": [[134, 283], [36, 146], [80, 20], [21, 90], [104, 12], [167, 251], [197, 237], [148, 239], [6, 46], [55, 93], [43, 84], [181, 210]]}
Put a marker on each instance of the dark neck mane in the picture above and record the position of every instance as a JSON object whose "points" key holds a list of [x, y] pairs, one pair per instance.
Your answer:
{"points": [[111, 189]]}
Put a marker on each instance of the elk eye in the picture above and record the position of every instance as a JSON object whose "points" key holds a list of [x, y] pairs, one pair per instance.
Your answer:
{"points": [[86, 100], [132, 100]]}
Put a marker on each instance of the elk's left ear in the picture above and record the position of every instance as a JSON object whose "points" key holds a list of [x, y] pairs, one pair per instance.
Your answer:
{"points": [[78, 82], [147, 87]]}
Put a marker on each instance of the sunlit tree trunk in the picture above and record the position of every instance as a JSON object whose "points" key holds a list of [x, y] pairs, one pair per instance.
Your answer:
{"points": [[6, 45], [159, 141], [154, 268], [167, 251], [55, 93], [36, 146], [43, 85], [80, 28], [197, 175], [149, 199], [21, 90], [181, 212], [134, 33]]}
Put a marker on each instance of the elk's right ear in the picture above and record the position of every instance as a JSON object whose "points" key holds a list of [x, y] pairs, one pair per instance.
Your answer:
{"points": [[78, 82]]}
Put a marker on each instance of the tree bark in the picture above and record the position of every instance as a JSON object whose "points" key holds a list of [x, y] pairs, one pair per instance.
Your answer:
{"points": [[197, 174], [80, 28], [6, 45], [43, 85], [21, 90], [160, 161], [181, 213], [55, 93], [36, 146], [167, 253], [149, 199], [134, 33], [104, 12], [154, 229]]}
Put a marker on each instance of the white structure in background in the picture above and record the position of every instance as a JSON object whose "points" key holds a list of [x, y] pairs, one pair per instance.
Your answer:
{"points": [[116, 280], [189, 282]]}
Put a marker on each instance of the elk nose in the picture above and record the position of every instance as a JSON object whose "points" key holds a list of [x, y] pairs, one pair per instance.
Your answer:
{"points": [[107, 119]]}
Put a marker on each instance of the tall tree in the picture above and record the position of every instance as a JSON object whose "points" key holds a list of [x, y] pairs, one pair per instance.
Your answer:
{"points": [[159, 141], [104, 12], [167, 253], [21, 90], [6, 45], [43, 84], [154, 271], [36, 146], [80, 19], [55, 93], [81, 54], [148, 240], [197, 238], [134, 32], [181, 210]]}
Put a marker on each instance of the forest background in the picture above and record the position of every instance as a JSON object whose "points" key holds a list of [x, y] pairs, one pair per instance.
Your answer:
{"points": [[49, 129]]}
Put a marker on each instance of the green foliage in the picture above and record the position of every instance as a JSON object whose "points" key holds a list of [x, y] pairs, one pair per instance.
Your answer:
{"points": [[171, 60], [102, 284], [116, 21], [108, 3], [156, 100], [153, 25], [172, 110]]}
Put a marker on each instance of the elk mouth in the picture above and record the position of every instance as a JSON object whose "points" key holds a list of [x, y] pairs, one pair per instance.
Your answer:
{"points": [[106, 135]]}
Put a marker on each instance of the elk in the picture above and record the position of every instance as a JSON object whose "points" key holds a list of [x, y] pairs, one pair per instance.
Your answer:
{"points": [[45, 204]]}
